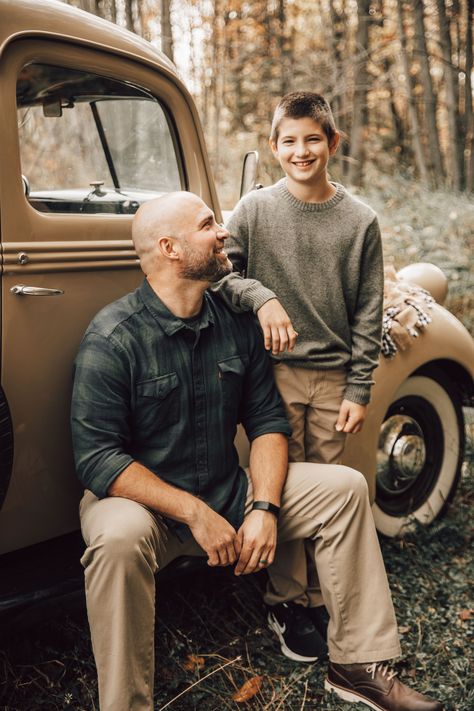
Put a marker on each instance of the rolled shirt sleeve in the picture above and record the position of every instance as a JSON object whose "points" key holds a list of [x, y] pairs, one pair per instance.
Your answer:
{"points": [[100, 413], [262, 409]]}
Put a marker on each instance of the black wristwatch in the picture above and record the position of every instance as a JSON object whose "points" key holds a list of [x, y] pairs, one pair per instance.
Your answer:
{"points": [[266, 506]]}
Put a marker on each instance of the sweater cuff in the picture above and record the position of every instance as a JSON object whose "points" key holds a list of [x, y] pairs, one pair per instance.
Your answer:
{"points": [[255, 296], [358, 393]]}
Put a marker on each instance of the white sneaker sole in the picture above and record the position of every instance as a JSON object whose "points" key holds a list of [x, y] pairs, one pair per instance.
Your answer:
{"points": [[351, 696], [286, 650]]}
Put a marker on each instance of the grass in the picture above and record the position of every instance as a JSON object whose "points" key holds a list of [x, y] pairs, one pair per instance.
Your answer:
{"points": [[211, 633], [422, 225]]}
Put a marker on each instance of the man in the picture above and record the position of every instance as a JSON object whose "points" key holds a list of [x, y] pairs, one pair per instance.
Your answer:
{"points": [[162, 377]]}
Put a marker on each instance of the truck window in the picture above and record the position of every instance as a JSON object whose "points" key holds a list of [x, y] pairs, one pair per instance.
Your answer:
{"points": [[92, 144]]}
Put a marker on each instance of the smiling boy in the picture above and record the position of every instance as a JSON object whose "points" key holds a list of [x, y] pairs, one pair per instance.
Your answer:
{"points": [[311, 256]]}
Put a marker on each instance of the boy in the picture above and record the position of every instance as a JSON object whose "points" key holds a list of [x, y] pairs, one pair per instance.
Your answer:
{"points": [[308, 242]]}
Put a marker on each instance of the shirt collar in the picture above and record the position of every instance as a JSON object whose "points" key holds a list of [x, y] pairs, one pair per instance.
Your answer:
{"points": [[170, 323]]}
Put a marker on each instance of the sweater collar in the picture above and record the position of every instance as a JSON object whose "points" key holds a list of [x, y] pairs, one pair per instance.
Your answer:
{"points": [[311, 206]]}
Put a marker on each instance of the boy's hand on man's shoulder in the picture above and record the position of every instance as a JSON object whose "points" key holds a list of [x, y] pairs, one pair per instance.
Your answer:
{"points": [[351, 417], [278, 332]]}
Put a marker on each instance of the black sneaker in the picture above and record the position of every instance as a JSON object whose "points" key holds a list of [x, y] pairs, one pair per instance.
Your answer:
{"points": [[320, 618], [299, 638]]}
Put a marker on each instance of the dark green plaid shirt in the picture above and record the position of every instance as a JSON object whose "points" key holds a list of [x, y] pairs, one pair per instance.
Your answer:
{"points": [[152, 388]]}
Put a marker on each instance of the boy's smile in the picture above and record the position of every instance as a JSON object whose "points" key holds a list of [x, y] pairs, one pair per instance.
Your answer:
{"points": [[303, 151]]}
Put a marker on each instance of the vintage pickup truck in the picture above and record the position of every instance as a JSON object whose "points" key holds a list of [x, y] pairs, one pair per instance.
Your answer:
{"points": [[93, 121]]}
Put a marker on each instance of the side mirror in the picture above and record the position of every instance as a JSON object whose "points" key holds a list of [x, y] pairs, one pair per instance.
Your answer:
{"points": [[26, 185], [249, 173]]}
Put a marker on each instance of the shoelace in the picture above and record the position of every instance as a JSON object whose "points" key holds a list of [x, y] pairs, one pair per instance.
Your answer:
{"points": [[384, 669]]}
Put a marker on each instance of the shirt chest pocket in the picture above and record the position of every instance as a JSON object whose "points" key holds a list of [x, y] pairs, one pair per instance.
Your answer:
{"points": [[231, 372], [158, 402]]}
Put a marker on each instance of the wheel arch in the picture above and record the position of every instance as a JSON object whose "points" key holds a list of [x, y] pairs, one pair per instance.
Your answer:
{"points": [[457, 374]]}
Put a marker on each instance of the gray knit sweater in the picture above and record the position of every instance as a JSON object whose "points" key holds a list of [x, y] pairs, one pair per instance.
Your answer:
{"points": [[324, 263]]}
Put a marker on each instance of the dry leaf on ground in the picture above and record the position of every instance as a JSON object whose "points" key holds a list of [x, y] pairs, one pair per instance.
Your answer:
{"points": [[465, 614], [248, 690], [192, 662]]}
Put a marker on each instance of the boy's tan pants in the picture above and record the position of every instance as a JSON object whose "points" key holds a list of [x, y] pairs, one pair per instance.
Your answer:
{"points": [[127, 544], [312, 400]]}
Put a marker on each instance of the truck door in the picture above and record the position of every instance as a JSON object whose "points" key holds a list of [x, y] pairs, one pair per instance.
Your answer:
{"points": [[86, 137]]}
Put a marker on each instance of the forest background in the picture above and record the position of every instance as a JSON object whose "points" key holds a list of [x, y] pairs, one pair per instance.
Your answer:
{"points": [[399, 78]]}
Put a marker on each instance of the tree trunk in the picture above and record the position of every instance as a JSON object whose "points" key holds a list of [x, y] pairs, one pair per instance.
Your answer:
{"points": [[87, 5], [129, 15], [398, 124], [359, 108], [113, 11], [435, 162], [218, 83], [452, 99], [337, 25], [166, 29], [284, 46], [412, 111], [469, 145]]}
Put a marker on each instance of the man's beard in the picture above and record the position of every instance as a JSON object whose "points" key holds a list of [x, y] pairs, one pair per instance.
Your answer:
{"points": [[199, 268]]}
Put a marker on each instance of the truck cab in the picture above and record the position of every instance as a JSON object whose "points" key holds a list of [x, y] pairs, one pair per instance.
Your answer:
{"points": [[94, 121]]}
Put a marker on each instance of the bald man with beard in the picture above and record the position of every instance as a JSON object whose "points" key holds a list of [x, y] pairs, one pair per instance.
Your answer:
{"points": [[162, 378]]}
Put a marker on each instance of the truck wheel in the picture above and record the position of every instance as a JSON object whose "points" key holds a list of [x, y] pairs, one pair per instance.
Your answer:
{"points": [[420, 453]]}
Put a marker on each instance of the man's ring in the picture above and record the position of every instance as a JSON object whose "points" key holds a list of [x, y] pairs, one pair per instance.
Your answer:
{"points": [[262, 561]]}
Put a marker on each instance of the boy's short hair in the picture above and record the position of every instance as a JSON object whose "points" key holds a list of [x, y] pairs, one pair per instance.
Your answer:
{"points": [[302, 104]]}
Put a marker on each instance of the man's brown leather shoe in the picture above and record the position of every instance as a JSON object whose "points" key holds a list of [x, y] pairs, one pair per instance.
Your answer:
{"points": [[377, 686]]}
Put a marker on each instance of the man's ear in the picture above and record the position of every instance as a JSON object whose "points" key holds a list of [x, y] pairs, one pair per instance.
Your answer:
{"points": [[167, 247], [333, 146]]}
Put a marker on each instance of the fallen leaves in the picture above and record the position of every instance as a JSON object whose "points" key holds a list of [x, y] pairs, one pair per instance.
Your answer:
{"points": [[194, 662], [248, 690], [465, 615]]}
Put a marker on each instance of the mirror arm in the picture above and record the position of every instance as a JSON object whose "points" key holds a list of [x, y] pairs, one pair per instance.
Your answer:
{"points": [[249, 173]]}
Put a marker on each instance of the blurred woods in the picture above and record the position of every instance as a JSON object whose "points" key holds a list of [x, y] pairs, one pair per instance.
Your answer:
{"points": [[398, 76]]}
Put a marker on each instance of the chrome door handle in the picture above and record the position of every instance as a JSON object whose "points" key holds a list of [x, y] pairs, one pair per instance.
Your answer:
{"points": [[22, 290]]}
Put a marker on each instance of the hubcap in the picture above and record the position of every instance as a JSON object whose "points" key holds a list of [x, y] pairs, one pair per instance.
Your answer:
{"points": [[401, 454]]}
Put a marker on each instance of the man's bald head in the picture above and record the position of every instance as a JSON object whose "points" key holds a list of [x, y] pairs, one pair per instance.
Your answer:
{"points": [[165, 216]]}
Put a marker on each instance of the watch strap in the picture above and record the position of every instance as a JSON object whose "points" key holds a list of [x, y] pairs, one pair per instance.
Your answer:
{"points": [[266, 506]]}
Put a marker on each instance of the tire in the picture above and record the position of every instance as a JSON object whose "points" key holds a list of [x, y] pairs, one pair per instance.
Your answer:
{"points": [[420, 453]]}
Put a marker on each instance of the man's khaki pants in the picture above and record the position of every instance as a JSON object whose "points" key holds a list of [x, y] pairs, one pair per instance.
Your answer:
{"points": [[127, 544], [312, 400]]}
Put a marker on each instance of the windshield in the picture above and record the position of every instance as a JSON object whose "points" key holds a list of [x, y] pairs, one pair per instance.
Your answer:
{"points": [[99, 136]]}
